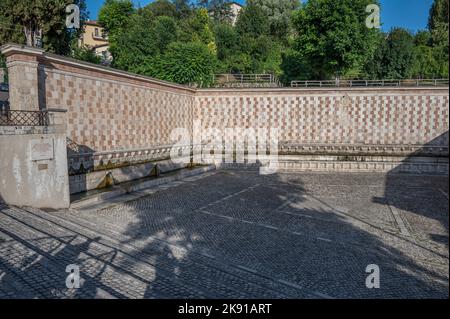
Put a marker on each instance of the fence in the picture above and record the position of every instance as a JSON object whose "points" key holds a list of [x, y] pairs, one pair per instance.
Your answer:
{"points": [[372, 83], [23, 118], [246, 80]]}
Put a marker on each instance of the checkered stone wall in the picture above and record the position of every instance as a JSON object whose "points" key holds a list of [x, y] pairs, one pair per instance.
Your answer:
{"points": [[373, 121], [114, 119], [105, 115]]}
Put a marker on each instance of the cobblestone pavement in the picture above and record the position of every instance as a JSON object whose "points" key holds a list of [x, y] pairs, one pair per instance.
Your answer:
{"points": [[236, 234]]}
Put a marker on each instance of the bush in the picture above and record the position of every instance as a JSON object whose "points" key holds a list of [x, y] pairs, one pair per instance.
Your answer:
{"points": [[184, 63], [86, 54]]}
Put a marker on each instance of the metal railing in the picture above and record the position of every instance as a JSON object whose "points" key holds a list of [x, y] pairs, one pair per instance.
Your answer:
{"points": [[246, 80], [372, 83], [23, 118]]}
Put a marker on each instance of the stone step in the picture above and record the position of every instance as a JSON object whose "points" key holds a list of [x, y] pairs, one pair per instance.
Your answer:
{"points": [[133, 189], [422, 165], [375, 164]]}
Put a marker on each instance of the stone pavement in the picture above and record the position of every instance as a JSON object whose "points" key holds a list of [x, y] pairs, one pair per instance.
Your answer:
{"points": [[236, 234]]}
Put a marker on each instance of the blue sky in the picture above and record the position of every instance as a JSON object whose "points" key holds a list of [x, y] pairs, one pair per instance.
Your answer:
{"points": [[409, 14]]}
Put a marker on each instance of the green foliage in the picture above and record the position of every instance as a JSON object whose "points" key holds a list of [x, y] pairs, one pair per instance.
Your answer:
{"points": [[133, 47], [198, 28], [394, 56], [253, 21], [399, 55], [115, 15], [183, 8], [422, 38], [85, 54], [438, 25], [184, 63], [227, 41], [49, 16], [321, 39], [165, 30], [220, 9], [278, 14], [294, 67], [424, 64], [332, 38], [438, 14], [237, 63], [163, 8], [256, 50]]}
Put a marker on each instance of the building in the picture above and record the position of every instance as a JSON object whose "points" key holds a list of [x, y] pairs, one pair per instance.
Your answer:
{"points": [[235, 9], [95, 38]]}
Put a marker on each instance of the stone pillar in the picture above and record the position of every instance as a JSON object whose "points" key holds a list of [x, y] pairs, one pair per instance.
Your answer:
{"points": [[23, 64], [2, 75]]}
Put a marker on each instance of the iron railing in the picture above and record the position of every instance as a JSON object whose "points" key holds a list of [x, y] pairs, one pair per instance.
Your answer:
{"points": [[372, 83], [23, 118], [246, 80]]}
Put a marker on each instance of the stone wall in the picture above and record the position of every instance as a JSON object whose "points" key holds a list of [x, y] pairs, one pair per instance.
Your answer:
{"points": [[119, 115], [371, 121], [33, 166], [116, 118], [113, 117]]}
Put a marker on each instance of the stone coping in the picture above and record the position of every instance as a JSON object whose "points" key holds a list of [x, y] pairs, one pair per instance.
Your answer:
{"points": [[10, 49]]}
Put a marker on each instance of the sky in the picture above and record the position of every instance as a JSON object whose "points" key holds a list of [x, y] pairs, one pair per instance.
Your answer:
{"points": [[409, 14]]}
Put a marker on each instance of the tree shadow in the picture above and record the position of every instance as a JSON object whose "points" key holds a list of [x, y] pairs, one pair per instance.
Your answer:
{"points": [[234, 234], [421, 199], [311, 245], [34, 261]]}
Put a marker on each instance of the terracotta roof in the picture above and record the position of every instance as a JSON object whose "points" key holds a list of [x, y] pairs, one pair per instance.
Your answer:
{"points": [[92, 22]]}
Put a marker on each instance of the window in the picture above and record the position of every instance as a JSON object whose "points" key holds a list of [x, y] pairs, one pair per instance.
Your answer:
{"points": [[96, 32]]}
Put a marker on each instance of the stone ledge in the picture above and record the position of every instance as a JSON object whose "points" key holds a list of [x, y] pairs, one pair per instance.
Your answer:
{"points": [[350, 167], [30, 130]]}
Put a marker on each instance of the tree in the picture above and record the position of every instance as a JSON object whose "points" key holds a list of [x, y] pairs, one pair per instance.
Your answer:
{"points": [[438, 14], [375, 66], [438, 25], [422, 38], [424, 64], [163, 8], [142, 39], [9, 32], [294, 67], [198, 28], [86, 54], [134, 47], [184, 63], [278, 13], [252, 20], [394, 56], [183, 8], [25, 21], [332, 37], [165, 31], [115, 15], [400, 54], [227, 40], [220, 9]]}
